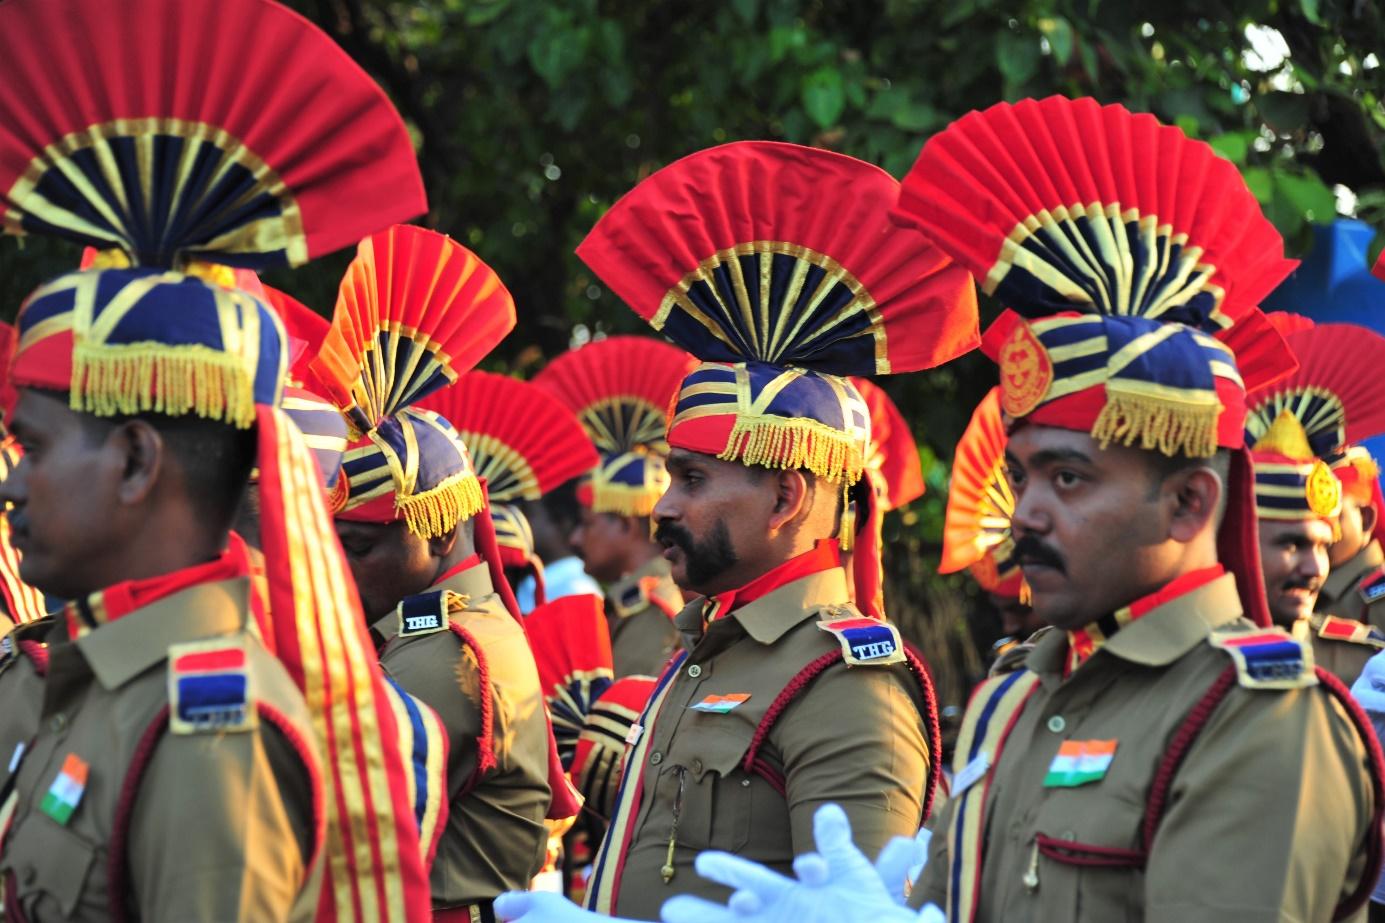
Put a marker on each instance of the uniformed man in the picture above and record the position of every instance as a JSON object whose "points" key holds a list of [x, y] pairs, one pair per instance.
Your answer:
{"points": [[784, 695], [620, 389], [181, 766], [413, 522], [524, 442], [1355, 585], [1298, 427], [1125, 771]]}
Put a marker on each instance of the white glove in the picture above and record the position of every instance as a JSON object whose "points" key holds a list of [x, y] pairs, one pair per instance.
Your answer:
{"points": [[1369, 691], [541, 907], [836, 884]]}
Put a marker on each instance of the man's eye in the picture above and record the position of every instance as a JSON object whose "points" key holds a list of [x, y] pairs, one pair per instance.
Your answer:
{"points": [[1066, 479]]}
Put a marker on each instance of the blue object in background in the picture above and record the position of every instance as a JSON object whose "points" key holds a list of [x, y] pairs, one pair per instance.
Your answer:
{"points": [[1334, 284]]}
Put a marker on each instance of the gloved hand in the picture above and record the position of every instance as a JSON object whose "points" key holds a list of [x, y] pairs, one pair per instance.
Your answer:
{"points": [[540, 907], [1369, 690], [834, 885]]}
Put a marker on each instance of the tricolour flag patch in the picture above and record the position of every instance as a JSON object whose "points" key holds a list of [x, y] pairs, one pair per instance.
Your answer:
{"points": [[209, 687], [65, 793], [721, 704], [1079, 762], [866, 641]]}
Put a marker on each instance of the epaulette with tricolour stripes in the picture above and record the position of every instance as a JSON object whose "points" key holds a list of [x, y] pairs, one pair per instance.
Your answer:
{"points": [[1266, 658]]}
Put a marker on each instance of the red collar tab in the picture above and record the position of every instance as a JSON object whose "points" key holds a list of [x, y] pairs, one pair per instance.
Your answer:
{"points": [[468, 564]]}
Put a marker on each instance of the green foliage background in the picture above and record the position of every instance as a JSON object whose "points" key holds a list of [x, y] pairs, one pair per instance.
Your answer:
{"points": [[532, 116]]}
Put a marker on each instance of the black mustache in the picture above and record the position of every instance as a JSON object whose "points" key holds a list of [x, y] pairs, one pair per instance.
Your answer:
{"points": [[670, 533], [1029, 550], [1300, 583]]}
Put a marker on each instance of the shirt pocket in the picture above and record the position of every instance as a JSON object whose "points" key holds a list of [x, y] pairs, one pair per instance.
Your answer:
{"points": [[715, 805], [1087, 843], [54, 864]]}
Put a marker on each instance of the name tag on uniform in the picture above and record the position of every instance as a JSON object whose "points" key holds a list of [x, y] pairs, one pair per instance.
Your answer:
{"points": [[866, 641], [971, 773], [423, 614], [1080, 762]]}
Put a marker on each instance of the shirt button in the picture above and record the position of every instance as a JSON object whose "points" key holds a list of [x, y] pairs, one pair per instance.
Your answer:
{"points": [[694, 671], [58, 722], [1056, 724], [697, 766], [656, 758]]}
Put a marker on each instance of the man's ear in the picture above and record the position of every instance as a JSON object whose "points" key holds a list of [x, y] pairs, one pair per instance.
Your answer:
{"points": [[142, 454], [1196, 496], [1369, 517], [792, 496]]}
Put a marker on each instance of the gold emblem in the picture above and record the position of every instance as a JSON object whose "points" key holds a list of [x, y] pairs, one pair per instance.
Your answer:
{"points": [[1025, 371], [1324, 491]]}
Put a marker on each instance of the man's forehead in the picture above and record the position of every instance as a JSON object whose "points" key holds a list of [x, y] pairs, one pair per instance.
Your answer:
{"points": [[46, 410], [1032, 440], [1313, 530]]}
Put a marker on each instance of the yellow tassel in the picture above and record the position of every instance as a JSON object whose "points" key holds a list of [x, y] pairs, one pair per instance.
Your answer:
{"points": [[110, 380], [1171, 428], [623, 499], [438, 509], [775, 442]]}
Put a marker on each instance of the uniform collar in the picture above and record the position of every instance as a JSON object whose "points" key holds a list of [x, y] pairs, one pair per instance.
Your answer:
{"points": [[770, 617], [1159, 636], [120, 650], [630, 593], [1342, 579]]}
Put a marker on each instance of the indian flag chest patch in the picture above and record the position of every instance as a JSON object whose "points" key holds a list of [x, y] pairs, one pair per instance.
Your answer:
{"points": [[65, 793], [1079, 762]]}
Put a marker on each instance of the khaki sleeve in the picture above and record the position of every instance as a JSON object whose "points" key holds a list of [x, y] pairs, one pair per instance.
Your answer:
{"points": [[222, 829], [1268, 815], [931, 885], [442, 672], [855, 737]]}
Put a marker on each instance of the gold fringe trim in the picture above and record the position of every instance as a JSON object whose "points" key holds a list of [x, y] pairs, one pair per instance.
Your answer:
{"points": [[776, 442], [110, 380], [846, 535], [623, 500], [438, 509], [1171, 428]]}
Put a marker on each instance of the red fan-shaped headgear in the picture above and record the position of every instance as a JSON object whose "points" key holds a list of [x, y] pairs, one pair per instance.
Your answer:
{"points": [[620, 388], [241, 89], [893, 452], [522, 439]]}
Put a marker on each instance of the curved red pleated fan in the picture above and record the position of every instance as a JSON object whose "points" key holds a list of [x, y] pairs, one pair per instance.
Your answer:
{"points": [[572, 650], [522, 440], [1064, 204], [1330, 396], [979, 499], [305, 327], [1378, 270], [414, 311], [759, 250], [893, 451], [620, 388], [271, 145]]}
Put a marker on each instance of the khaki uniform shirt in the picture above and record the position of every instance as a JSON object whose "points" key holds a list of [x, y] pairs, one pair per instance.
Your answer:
{"points": [[854, 736], [1341, 592], [222, 825], [1267, 815], [495, 837], [1343, 656], [642, 634]]}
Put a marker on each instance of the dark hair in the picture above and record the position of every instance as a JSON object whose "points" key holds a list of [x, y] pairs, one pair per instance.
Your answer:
{"points": [[216, 458], [563, 507]]}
